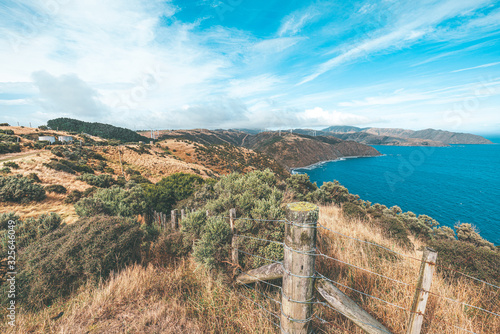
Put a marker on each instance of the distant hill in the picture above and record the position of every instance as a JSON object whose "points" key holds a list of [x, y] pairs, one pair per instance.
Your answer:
{"points": [[297, 150], [403, 137], [102, 130], [291, 150]]}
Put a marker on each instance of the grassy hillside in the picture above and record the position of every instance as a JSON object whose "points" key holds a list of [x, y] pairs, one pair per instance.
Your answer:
{"points": [[100, 265], [105, 131]]}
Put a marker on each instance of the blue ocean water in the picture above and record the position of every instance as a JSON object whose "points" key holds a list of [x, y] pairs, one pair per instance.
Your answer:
{"points": [[460, 183]]}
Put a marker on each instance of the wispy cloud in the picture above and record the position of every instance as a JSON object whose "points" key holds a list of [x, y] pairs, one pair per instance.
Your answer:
{"points": [[402, 31], [476, 67]]}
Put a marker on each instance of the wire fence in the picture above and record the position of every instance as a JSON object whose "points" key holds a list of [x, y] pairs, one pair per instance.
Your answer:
{"points": [[276, 313]]}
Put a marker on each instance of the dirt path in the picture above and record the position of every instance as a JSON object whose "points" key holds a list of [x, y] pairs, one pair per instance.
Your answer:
{"points": [[13, 156]]}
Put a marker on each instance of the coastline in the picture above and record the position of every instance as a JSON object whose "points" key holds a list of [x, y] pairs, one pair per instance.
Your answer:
{"points": [[319, 163]]}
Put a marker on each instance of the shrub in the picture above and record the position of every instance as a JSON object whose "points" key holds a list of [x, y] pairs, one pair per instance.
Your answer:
{"points": [[300, 185], [167, 246], [73, 197], [11, 164], [139, 179], [479, 262], [4, 124], [20, 189], [163, 195], [5, 170], [34, 177], [114, 201], [5, 217], [467, 233], [213, 246], [43, 127], [55, 165], [30, 230], [85, 251], [101, 181], [56, 188], [354, 210], [9, 147]]}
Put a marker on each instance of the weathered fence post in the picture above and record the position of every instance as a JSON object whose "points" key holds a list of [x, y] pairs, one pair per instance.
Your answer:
{"points": [[173, 219], [183, 214], [234, 238], [298, 268], [422, 291]]}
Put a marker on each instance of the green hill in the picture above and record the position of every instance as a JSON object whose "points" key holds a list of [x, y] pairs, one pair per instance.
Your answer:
{"points": [[102, 130]]}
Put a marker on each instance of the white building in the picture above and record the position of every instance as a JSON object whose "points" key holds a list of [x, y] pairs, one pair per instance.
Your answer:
{"points": [[50, 139], [65, 139]]}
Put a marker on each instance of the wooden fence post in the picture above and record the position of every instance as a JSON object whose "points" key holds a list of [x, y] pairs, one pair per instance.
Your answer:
{"points": [[298, 268], [234, 238], [421, 293], [183, 214], [173, 219]]}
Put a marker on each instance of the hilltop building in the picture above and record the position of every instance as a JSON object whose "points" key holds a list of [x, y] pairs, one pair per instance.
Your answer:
{"points": [[65, 139], [50, 139]]}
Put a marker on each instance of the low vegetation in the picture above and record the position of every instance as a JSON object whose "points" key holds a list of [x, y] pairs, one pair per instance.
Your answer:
{"points": [[20, 189]]}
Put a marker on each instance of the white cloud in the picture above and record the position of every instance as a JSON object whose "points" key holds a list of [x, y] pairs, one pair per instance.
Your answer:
{"points": [[476, 67], [320, 117], [68, 95]]}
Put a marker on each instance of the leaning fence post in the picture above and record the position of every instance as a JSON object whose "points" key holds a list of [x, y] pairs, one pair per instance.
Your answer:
{"points": [[422, 291], [173, 219], [298, 268], [234, 237]]}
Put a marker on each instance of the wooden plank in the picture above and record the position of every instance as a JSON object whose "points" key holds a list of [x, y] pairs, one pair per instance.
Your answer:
{"points": [[264, 273], [427, 268], [346, 306]]}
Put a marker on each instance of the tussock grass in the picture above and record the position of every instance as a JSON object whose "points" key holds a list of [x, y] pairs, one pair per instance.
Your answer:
{"points": [[441, 315], [175, 299], [179, 298]]}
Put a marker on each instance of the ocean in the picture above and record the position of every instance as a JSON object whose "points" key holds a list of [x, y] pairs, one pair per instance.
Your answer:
{"points": [[460, 183]]}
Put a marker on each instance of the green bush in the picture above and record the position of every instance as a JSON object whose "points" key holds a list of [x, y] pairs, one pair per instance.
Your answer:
{"points": [[86, 251], [34, 177], [467, 233], [479, 262], [56, 188], [6, 147], [163, 195], [20, 189], [300, 185], [139, 179], [11, 164], [55, 165], [73, 197], [254, 195], [5, 170], [114, 201], [354, 210], [213, 246], [29, 230], [101, 181], [5, 217]]}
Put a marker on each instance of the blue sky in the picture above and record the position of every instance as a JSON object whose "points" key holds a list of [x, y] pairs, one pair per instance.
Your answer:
{"points": [[252, 64]]}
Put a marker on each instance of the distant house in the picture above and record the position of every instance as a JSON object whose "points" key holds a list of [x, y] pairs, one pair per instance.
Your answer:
{"points": [[65, 139], [50, 139]]}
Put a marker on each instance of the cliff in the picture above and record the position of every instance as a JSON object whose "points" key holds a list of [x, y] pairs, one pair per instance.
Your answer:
{"points": [[297, 150], [289, 150]]}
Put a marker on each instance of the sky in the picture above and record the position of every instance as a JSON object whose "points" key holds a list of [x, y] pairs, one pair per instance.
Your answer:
{"points": [[147, 64]]}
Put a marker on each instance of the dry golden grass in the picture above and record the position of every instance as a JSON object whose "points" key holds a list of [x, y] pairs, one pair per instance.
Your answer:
{"points": [[153, 166], [176, 299], [183, 299], [441, 316], [54, 202]]}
